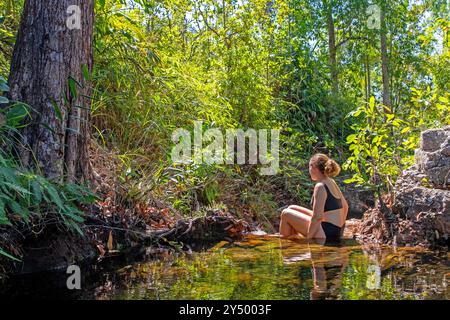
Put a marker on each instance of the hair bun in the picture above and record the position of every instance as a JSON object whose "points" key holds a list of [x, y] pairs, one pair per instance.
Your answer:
{"points": [[332, 169]]}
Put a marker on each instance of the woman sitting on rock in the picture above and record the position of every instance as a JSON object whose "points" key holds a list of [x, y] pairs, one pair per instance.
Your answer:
{"points": [[329, 207]]}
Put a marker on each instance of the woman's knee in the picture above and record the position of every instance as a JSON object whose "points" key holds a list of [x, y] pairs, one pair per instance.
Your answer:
{"points": [[285, 214], [296, 208]]}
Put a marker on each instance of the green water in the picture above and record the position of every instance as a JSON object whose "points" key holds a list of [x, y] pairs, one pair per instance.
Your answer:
{"points": [[271, 268], [258, 267]]}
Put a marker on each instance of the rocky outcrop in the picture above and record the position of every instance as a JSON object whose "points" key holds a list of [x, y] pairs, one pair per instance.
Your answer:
{"points": [[421, 206], [433, 157]]}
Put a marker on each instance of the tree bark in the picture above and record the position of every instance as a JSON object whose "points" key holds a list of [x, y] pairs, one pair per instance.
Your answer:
{"points": [[385, 64], [368, 81], [332, 50], [47, 54]]}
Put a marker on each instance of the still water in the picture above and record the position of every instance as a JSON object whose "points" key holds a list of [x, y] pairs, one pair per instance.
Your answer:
{"points": [[258, 267]]}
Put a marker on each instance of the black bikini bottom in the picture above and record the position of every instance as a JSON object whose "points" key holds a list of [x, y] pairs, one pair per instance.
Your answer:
{"points": [[332, 232]]}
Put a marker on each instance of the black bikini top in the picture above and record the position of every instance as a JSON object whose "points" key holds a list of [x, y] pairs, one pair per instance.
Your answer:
{"points": [[331, 203]]}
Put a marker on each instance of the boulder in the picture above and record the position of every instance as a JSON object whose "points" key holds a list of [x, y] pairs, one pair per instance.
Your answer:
{"points": [[359, 199], [422, 193], [412, 197], [433, 156], [421, 206]]}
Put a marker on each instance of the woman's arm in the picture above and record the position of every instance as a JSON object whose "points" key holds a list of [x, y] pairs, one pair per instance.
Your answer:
{"points": [[320, 195], [344, 206]]}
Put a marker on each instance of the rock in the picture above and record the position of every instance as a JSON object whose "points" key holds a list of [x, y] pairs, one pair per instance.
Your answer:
{"points": [[433, 156], [422, 194], [431, 140], [421, 207], [411, 197], [359, 200]]}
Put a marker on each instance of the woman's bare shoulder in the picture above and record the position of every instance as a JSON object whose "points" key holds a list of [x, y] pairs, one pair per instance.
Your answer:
{"points": [[319, 185], [319, 188]]}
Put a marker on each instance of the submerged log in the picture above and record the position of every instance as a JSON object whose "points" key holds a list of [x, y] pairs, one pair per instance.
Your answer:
{"points": [[208, 228]]}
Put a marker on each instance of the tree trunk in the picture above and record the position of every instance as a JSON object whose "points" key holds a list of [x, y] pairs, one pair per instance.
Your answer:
{"points": [[385, 64], [47, 55], [8, 7], [368, 82], [332, 48]]}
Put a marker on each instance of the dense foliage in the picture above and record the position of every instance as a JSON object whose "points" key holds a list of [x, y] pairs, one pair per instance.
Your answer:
{"points": [[265, 64]]}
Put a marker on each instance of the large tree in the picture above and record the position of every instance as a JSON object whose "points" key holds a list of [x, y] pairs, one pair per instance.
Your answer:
{"points": [[332, 49], [385, 61], [52, 58]]}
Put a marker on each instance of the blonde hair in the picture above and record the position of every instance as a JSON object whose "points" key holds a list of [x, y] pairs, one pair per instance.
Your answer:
{"points": [[325, 164]]}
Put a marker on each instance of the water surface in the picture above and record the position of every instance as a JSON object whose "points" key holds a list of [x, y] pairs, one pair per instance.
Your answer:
{"points": [[258, 267]]}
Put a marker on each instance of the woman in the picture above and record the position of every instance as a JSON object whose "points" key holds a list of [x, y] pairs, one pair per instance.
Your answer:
{"points": [[329, 211]]}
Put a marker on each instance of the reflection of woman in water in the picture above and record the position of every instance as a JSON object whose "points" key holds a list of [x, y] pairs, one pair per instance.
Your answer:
{"points": [[328, 267], [329, 207], [328, 264]]}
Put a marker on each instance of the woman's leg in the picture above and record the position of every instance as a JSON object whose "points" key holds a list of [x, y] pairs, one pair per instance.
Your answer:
{"points": [[302, 210], [285, 228], [293, 221]]}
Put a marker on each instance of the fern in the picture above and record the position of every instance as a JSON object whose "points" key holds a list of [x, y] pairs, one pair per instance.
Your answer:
{"points": [[24, 195]]}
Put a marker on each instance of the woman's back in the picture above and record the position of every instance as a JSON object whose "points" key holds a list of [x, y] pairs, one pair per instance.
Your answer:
{"points": [[333, 210], [332, 202]]}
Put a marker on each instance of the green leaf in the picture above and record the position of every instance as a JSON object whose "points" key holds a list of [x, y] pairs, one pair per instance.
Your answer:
{"points": [[54, 196], [443, 99], [16, 114], [76, 227], [21, 211], [351, 138], [73, 88], [17, 188], [405, 130], [73, 214], [4, 253], [396, 123], [37, 193], [85, 71], [3, 218], [372, 103], [57, 110], [357, 113], [3, 100], [4, 87]]}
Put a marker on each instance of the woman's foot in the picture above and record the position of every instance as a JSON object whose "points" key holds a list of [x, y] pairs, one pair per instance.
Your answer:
{"points": [[274, 235], [291, 237], [295, 237]]}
